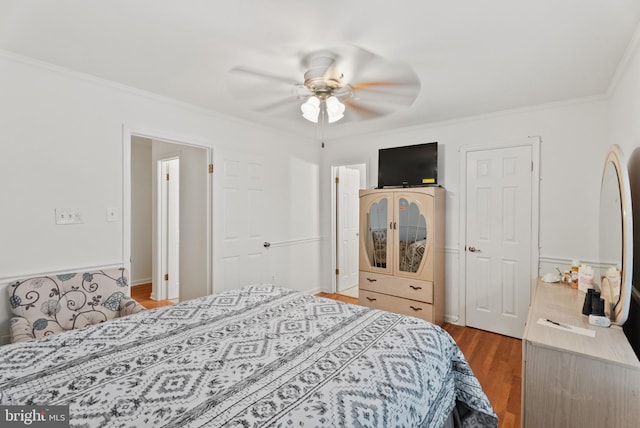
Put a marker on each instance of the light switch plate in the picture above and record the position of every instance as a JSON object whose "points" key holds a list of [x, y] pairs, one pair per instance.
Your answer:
{"points": [[69, 216], [113, 214]]}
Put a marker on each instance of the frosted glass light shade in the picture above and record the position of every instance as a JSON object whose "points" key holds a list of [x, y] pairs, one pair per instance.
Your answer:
{"points": [[335, 109], [311, 109]]}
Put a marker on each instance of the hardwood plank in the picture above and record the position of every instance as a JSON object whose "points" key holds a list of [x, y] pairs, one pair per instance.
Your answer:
{"points": [[142, 294], [496, 361], [339, 297]]}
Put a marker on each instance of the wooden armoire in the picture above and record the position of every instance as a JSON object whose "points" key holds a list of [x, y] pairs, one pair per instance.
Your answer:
{"points": [[402, 261]]}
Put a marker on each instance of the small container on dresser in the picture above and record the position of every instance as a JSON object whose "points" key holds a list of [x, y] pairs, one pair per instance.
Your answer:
{"points": [[402, 251]]}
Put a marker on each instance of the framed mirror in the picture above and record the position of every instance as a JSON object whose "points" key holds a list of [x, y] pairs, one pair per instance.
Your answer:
{"points": [[616, 236]]}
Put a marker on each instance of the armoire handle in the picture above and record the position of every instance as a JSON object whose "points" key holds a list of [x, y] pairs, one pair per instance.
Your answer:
{"points": [[371, 279], [415, 309], [371, 299], [415, 288]]}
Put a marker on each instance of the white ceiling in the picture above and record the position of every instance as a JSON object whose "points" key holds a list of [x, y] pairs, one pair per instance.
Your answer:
{"points": [[472, 56]]}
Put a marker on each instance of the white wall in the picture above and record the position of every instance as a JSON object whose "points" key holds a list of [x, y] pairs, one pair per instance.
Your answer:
{"points": [[624, 113], [61, 138], [141, 212], [574, 145]]}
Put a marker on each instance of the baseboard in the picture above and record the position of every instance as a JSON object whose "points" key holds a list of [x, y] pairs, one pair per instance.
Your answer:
{"points": [[143, 281], [313, 291], [452, 319]]}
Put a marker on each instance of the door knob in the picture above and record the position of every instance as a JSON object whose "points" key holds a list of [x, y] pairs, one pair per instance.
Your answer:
{"points": [[473, 250]]}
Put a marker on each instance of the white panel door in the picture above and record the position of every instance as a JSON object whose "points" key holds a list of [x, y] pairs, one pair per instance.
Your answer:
{"points": [[498, 231], [241, 215], [169, 228], [173, 229], [348, 214]]}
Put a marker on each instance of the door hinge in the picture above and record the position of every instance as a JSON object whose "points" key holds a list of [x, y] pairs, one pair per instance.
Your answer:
{"points": [[337, 180], [532, 166], [210, 168], [337, 271], [166, 277], [167, 177]]}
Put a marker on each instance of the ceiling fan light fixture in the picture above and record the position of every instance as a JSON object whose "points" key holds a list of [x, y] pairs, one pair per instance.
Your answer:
{"points": [[311, 109], [335, 109]]}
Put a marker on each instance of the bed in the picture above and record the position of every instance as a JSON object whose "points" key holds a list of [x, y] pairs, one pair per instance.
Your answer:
{"points": [[256, 356]]}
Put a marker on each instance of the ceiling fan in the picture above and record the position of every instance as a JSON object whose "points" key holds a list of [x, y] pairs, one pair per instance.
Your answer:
{"points": [[329, 85]]}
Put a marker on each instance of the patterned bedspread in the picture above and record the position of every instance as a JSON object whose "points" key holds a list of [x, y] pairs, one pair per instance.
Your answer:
{"points": [[257, 356]]}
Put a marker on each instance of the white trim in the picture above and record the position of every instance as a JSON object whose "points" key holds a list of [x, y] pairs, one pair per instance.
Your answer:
{"points": [[534, 143], [141, 281], [100, 81], [564, 261], [475, 118], [314, 291], [9, 279], [166, 136], [623, 65], [452, 320]]}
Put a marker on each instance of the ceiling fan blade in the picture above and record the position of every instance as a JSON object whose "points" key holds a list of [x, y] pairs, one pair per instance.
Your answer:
{"points": [[355, 62], [276, 105], [252, 72], [363, 111], [367, 85], [386, 92]]}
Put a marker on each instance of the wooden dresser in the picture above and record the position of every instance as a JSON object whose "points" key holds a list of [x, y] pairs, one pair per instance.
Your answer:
{"points": [[573, 380], [402, 251]]}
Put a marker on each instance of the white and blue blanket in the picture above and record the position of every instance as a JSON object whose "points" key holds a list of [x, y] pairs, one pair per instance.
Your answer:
{"points": [[256, 356]]}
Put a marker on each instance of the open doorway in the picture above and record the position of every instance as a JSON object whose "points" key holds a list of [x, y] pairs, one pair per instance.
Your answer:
{"points": [[347, 181], [168, 222]]}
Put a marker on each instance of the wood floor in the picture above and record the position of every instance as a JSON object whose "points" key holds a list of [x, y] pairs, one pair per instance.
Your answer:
{"points": [[496, 361], [142, 294]]}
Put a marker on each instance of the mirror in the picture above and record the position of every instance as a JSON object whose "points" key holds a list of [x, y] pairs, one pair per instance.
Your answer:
{"points": [[376, 244], [412, 236], [616, 237]]}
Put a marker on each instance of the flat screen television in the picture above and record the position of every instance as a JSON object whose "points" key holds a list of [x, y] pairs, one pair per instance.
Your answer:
{"points": [[408, 166]]}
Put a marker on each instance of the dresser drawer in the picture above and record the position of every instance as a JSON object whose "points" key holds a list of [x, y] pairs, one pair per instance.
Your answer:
{"points": [[413, 289], [396, 304]]}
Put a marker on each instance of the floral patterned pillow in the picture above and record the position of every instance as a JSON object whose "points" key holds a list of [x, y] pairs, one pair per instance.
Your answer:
{"points": [[69, 301]]}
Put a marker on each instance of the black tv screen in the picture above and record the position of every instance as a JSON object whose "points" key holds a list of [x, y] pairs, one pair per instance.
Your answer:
{"points": [[408, 166]]}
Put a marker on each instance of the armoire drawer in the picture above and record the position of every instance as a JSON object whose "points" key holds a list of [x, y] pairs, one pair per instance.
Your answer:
{"points": [[396, 304], [413, 289]]}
